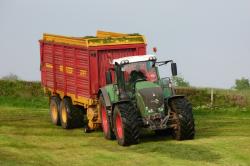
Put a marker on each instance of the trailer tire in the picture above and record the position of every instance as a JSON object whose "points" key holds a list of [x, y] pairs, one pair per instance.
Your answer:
{"points": [[106, 125], [78, 116], [183, 119], [126, 124], [70, 116], [55, 109]]}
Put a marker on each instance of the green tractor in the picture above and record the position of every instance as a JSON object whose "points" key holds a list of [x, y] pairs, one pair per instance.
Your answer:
{"points": [[135, 97]]}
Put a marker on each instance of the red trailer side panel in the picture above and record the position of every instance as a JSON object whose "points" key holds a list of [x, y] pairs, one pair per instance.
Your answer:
{"points": [[65, 69], [104, 55], [80, 71], [105, 58]]}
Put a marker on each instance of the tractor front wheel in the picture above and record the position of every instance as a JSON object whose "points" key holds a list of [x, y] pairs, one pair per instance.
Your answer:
{"points": [[106, 125], [126, 124], [182, 119]]}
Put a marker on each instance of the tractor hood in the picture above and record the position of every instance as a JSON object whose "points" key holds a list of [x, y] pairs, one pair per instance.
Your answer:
{"points": [[149, 97]]}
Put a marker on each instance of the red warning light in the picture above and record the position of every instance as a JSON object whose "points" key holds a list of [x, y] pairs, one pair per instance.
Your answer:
{"points": [[155, 49]]}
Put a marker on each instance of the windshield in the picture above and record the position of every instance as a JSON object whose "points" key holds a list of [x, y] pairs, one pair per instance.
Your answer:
{"points": [[140, 70]]}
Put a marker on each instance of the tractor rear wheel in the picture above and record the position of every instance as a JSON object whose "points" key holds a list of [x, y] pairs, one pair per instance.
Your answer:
{"points": [[126, 124], [70, 115], [54, 110], [182, 119]]}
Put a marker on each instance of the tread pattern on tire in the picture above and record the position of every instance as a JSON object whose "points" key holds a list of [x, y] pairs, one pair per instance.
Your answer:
{"points": [[57, 101], [74, 115], [185, 120], [130, 122]]}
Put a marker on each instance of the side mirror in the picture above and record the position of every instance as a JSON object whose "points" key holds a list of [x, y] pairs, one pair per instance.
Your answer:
{"points": [[108, 77], [174, 69]]}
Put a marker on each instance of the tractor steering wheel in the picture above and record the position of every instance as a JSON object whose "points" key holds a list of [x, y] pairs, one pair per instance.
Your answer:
{"points": [[136, 76], [140, 79]]}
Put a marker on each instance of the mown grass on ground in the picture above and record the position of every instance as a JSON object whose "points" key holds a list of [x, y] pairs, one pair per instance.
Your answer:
{"points": [[27, 137]]}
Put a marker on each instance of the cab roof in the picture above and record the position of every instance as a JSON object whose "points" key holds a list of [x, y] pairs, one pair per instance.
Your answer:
{"points": [[132, 59]]}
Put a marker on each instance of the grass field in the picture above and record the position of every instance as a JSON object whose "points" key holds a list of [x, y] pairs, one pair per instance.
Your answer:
{"points": [[27, 137]]}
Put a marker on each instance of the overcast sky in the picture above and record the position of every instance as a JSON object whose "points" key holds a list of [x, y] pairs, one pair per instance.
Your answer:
{"points": [[209, 39]]}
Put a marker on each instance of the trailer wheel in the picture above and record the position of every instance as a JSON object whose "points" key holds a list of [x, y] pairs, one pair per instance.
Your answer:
{"points": [[54, 110], [70, 115], [126, 124], [182, 118], [78, 114], [106, 125]]}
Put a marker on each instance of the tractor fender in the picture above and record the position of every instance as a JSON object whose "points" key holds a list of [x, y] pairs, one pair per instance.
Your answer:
{"points": [[105, 95], [169, 99]]}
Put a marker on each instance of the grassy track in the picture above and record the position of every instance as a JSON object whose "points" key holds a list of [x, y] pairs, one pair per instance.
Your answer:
{"points": [[28, 138]]}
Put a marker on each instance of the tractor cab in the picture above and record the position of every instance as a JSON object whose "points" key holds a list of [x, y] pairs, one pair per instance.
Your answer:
{"points": [[135, 69], [129, 71]]}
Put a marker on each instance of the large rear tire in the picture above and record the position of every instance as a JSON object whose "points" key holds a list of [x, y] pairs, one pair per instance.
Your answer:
{"points": [[54, 110], [106, 125], [126, 124], [182, 118], [70, 115]]}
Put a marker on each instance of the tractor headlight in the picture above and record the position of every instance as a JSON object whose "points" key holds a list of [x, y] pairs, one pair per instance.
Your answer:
{"points": [[161, 109], [152, 58], [150, 110], [124, 62]]}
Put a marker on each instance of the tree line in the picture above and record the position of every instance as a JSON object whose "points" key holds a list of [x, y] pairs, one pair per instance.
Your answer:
{"points": [[240, 84]]}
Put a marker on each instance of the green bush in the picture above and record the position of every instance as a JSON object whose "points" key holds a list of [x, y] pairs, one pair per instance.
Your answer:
{"points": [[30, 94], [22, 94], [242, 84], [222, 98]]}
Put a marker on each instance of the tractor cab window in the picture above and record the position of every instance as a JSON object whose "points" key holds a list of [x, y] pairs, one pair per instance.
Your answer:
{"points": [[140, 70]]}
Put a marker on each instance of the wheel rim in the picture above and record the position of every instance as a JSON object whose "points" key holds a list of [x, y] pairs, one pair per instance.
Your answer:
{"points": [[104, 119], [64, 115], [119, 126], [54, 112]]}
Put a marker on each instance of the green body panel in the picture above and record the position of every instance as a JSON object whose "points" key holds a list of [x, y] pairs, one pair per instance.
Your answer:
{"points": [[139, 99], [140, 104], [113, 96], [111, 90], [167, 91], [145, 84]]}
